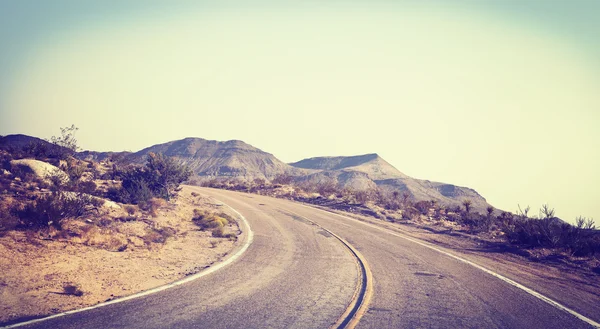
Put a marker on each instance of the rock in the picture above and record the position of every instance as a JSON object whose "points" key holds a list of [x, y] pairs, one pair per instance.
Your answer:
{"points": [[40, 168], [111, 204], [106, 204]]}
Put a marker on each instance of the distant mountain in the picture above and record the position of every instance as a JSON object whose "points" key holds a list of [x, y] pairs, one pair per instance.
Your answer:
{"points": [[370, 164], [209, 158], [370, 170], [19, 141], [234, 158], [28, 145]]}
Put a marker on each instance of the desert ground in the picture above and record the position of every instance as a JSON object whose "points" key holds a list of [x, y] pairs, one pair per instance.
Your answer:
{"points": [[44, 275]]}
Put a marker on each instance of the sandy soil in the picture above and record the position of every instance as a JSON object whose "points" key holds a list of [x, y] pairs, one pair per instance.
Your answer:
{"points": [[35, 270]]}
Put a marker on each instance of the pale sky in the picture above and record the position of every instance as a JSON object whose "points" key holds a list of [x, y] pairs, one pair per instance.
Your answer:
{"points": [[500, 96]]}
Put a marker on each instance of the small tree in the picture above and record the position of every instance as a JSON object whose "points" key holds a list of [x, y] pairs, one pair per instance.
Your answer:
{"points": [[546, 212], [523, 213], [585, 223], [66, 142], [467, 204]]}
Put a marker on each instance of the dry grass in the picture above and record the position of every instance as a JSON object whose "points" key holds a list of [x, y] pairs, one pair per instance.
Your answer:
{"points": [[130, 209], [153, 205], [217, 223]]}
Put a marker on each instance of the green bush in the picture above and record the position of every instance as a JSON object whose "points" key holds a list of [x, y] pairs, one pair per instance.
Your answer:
{"points": [[159, 178], [210, 221], [135, 187], [165, 175]]}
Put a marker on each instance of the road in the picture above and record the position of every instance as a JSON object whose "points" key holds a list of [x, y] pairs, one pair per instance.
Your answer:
{"points": [[298, 275]]}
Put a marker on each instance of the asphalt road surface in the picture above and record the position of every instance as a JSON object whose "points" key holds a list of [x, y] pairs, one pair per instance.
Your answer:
{"points": [[295, 274]]}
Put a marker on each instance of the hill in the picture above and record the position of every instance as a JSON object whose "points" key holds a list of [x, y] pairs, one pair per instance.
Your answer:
{"points": [[364, 172], [371, 164], [215, 159], [19, 141]]}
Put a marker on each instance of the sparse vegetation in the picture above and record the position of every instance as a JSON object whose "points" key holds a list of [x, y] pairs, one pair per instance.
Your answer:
{"points": [[66, 142], [520, 229], [130, 209], [467, 204], [72, 290], [50, 209], [57, 217], [159, 178], [214, 222]]}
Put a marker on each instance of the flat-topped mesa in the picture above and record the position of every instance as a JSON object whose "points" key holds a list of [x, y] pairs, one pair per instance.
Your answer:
{"points": [[210, 158], [363, 172], [371, 164], [194, 146]]}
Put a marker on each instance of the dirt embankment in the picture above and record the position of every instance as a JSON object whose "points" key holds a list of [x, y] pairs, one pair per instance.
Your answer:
{"points": [[116, 253]]}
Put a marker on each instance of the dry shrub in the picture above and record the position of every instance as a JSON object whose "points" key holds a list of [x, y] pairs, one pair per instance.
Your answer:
{"points": [[51, 209], [103, 238], [33, 238], [104, 221], [152, 206], [410, 213], [115, 243], [220, 232], [72, 290], [88, 187], [8, 220], [226, 216], [130, 209], [90, 234], [210, 221], [158, 235], [152, 236]]}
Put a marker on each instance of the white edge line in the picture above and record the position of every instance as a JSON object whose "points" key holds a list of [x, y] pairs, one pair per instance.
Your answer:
{"points": [[490, 272], [187, 279]]}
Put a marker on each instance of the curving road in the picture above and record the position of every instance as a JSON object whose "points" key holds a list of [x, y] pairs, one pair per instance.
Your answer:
{"points": [[298, 275]]}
